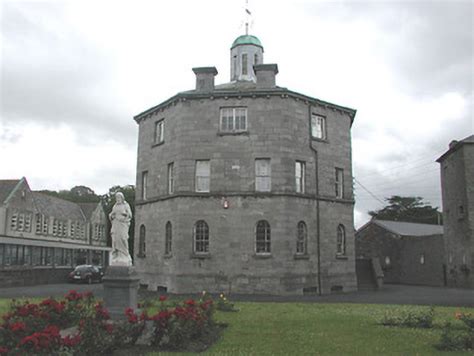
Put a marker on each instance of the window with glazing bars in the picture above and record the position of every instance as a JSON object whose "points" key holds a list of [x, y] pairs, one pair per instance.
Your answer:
{"points": [[263, 237], [201, 237], [233, 119]]}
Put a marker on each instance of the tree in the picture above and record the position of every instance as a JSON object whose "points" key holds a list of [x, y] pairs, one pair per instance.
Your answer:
{"points": [[77, 194], [408, 209], [108, 201]]}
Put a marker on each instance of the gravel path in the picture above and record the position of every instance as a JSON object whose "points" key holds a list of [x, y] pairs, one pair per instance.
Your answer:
{"points": [[388, 294]]}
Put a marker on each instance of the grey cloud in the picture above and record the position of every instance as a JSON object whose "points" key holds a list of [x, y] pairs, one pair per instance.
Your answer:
{"points": [[52, 76], [428, 43]]}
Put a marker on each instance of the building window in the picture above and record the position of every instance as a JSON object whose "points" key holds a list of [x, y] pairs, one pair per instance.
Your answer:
{"points": [[171, 178], [201, 237], [160, 131], [168, 238], [341, 240], [203, 172], [263, 175], [422, 259], [255, 58], [233, 119], [234, 59], [45, 225], [299, 176], [263, 237], [14, 221], [144, 184], [318, 126], [301, 238], [72, 228], [141, 242], [27, 223], [39, 224], [244, 64], [21, 222], [387, 261], [339, 183]]}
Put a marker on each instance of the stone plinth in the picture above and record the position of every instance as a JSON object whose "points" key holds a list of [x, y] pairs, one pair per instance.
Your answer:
{"points": [[120, 290]]}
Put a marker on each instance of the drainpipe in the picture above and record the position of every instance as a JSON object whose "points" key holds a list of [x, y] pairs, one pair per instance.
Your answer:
{"points": [[318, 225]]}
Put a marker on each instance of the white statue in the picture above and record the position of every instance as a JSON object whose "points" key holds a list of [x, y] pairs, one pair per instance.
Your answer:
{"points": [[120, 218]]}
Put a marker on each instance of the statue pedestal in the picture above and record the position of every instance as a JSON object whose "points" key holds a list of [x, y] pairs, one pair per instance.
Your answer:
{"points": [[120, 290]]}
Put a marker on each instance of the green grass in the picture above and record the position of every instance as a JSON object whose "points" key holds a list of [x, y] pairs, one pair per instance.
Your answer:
{"points": [[320, 329], [323, 329]]}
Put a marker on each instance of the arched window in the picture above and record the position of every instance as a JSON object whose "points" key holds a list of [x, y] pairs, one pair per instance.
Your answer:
{"points": [[301, 238], [201, 237], [341, 240], [141, 242], [168, 237], [263, 237]]}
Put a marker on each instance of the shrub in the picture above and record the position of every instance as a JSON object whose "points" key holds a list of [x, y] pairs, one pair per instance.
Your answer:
{"points": [[35, 328], [223, 304], [454, 337], [177, 327], [409, 317]]}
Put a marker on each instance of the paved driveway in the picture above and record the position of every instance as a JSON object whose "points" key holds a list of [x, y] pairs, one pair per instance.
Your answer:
{"points": [[388, 294]]}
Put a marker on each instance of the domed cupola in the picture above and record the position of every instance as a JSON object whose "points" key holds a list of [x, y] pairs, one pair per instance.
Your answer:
{"points": [[246, 51]]}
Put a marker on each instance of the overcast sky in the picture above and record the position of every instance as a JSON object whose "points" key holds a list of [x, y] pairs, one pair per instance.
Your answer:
{"points": [[74, 73]]}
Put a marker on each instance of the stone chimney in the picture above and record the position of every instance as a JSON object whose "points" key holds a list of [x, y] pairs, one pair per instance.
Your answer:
{"points": [[453, 143], [265, 75], [205, 78]]}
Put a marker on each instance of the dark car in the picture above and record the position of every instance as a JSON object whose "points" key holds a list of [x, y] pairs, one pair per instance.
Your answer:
{"points": [[87, 274]]}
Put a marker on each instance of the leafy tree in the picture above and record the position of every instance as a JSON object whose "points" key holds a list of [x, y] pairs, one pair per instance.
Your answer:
{"points": [[77, 194], [108, 200], [408, 209]]}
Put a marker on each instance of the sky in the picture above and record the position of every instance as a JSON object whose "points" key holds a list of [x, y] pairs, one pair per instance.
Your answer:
{"points": [[74, 73]]}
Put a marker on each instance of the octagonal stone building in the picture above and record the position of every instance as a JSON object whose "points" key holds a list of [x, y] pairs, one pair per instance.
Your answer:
{"points": [[245, 187]]}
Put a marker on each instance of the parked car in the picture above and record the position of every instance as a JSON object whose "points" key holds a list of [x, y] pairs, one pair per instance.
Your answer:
{"points": [[87, 274]]}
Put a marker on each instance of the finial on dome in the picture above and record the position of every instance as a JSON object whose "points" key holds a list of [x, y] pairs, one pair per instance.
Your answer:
{"points": [[248, 17]]}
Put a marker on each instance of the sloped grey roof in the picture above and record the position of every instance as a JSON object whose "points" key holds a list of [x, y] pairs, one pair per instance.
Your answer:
{"points": [[454, 145], [88, 209], [59, 208], [410, 229], [6, 187]]}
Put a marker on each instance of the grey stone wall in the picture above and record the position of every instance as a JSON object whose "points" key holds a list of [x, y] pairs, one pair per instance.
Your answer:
{"points": [[457, 177], [405, 255], [278, 129], [27, 276]]}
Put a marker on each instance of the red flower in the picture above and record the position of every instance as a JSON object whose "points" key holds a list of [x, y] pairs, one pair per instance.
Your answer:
{"points": [[131, 316], [109, 328], [31, 340], [190, 302], [53, 330], [71, 341], [18, 326], [163, 298], [144, 316], [72, 295], [88, 294], [3, 350]]}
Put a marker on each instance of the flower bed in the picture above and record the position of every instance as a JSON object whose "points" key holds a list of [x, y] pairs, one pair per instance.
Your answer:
{"points": [[80, 324]]}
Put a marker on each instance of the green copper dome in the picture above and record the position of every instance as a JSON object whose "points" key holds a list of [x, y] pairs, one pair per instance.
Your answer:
{"points": [[245, 40]]}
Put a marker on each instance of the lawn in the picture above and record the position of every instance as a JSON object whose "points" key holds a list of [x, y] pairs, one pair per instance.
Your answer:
{"points": [[323, 329], [319, 329]]}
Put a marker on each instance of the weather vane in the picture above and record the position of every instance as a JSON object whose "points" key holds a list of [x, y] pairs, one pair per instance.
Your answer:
{"points": [[248, 17]]}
